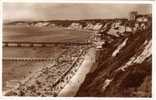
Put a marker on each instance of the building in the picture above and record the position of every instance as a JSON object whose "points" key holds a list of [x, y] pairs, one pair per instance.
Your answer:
{"points": [[75, 26], [133, 15]]}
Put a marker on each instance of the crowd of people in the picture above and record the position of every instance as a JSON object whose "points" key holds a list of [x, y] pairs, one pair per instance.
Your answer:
{"points": [[51, 79]]}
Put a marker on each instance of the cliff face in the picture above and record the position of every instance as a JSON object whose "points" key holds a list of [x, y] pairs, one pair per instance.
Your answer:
{"points": [[124, 68]]}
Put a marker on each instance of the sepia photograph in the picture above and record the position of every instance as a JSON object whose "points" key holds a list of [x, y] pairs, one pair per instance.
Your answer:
{"points": [[77, 50]]}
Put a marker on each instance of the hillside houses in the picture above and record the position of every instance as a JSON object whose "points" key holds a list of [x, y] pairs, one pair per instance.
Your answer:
{"points": [[118, 29], [75, 26], [113, 26], [97, 26], [89, 26], [41, 24]]}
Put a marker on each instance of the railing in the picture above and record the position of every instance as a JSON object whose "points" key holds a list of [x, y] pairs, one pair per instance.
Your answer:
{"points": [[41, 44], [27, 59]]}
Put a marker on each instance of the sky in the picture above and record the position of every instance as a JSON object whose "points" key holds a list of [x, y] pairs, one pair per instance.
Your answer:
{"points": [[52, 11]]}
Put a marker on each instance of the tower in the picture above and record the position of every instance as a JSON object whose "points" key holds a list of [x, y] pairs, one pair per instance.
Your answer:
{"points": [[133, 15]]}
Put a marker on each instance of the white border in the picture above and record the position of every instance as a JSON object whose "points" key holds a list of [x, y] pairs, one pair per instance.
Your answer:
{"points": [[77, 0], [85, 1], [1, 47], [153, 51]]}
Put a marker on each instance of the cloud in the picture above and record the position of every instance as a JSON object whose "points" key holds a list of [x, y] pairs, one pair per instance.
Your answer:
{"points": [[46, 11]]}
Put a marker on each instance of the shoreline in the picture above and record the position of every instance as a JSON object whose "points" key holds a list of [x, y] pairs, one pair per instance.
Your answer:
{"points": [[71, 89]]}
